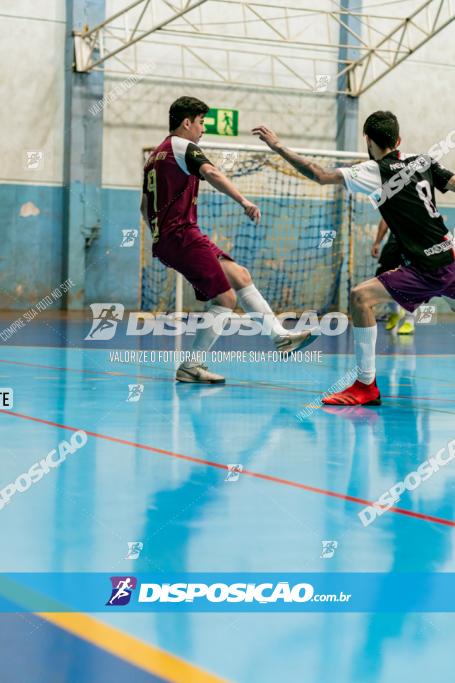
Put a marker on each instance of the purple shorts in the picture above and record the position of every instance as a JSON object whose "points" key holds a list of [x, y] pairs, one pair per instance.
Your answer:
{"points": [[411, 287], [197, 258]]}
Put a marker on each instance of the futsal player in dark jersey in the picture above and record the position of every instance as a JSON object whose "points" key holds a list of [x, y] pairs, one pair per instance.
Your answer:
{"points": [[402, 186], [169, 206], [389, 257]]}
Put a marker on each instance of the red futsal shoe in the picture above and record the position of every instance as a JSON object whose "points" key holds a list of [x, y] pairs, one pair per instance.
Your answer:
{"points": [[359, 394]]}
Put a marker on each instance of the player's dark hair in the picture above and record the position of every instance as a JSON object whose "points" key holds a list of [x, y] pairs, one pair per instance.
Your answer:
{"points": [[382, 127], [185, 107]]}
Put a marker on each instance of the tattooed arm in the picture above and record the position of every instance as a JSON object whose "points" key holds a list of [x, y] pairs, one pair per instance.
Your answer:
{"points": [[306, 167]]}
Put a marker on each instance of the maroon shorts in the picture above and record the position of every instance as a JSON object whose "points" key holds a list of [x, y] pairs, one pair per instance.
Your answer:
{"points": [[410, 286], [197, 258]]}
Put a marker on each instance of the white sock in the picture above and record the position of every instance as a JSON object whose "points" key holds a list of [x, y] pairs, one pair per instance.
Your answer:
{"points": [[207, 336], [252, 301], [394, 307], [364, 347], [409, 318]]}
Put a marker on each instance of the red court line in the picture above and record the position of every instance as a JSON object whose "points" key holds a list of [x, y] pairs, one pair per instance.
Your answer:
{"points": [[249, 473], [253, 385]]}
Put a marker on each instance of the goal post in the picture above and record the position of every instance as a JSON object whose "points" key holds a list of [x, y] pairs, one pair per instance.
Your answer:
{"points": [[312, 245]]}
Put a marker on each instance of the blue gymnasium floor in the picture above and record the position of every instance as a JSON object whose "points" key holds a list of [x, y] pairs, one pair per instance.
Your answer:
{"points": [[121, 488]]}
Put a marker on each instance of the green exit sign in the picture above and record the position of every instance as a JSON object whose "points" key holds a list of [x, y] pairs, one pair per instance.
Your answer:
{"points": [[222, 122]]}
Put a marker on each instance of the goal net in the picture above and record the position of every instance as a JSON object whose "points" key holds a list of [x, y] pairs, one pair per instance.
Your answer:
{"points": [[311, 247]]}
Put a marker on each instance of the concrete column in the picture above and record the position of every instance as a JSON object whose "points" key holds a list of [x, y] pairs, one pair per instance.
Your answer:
{"points": [[348, 107], [83, 139]]}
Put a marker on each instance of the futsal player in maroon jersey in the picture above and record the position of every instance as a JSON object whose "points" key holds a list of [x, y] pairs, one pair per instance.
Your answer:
{"points": [[169, 206]]}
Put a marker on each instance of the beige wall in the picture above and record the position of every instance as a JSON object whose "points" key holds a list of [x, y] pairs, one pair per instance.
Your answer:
{"points": [[32, 88], [421, 91]]}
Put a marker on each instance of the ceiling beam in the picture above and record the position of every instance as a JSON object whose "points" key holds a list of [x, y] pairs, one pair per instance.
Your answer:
{"points": [[260, 33]]}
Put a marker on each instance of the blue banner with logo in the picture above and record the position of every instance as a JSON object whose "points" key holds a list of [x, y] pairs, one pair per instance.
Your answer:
{"points": [[227, 592]]}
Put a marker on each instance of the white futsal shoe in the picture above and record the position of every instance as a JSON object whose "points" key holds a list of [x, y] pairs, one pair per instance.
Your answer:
{"points": [[295, 341], [198, 374]]}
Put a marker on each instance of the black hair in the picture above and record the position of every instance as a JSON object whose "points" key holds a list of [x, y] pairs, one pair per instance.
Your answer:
{"points": [[382, 127], [185, 107]]}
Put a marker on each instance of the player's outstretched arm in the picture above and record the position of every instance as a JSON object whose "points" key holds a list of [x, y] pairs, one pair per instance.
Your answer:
{"points": [[306, 167], [218, 180]]}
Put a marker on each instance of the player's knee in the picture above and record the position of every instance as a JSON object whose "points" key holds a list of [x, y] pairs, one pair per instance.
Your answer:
{"points": [[244, 277], [359, 297]]}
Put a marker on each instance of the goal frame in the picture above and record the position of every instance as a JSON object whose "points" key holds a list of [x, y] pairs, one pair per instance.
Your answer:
{"points": [[240, 147]]}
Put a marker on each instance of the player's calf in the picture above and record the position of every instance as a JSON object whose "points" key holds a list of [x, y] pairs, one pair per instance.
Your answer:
{"points": [[364, 391]]}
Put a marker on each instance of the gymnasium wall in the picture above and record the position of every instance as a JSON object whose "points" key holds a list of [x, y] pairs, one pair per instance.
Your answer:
{"points": [[31, 119], [32, 39]]}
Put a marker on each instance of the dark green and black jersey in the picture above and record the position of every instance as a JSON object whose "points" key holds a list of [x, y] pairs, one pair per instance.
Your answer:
{"points": [[402, 188]]}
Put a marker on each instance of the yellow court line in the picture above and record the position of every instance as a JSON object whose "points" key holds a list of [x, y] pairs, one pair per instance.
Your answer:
{"points": [[131, 649]]}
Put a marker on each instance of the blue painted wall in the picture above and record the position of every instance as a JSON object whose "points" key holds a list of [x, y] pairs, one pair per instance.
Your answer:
{"points": [[112, 272], [31, 248], [31, 253]]}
